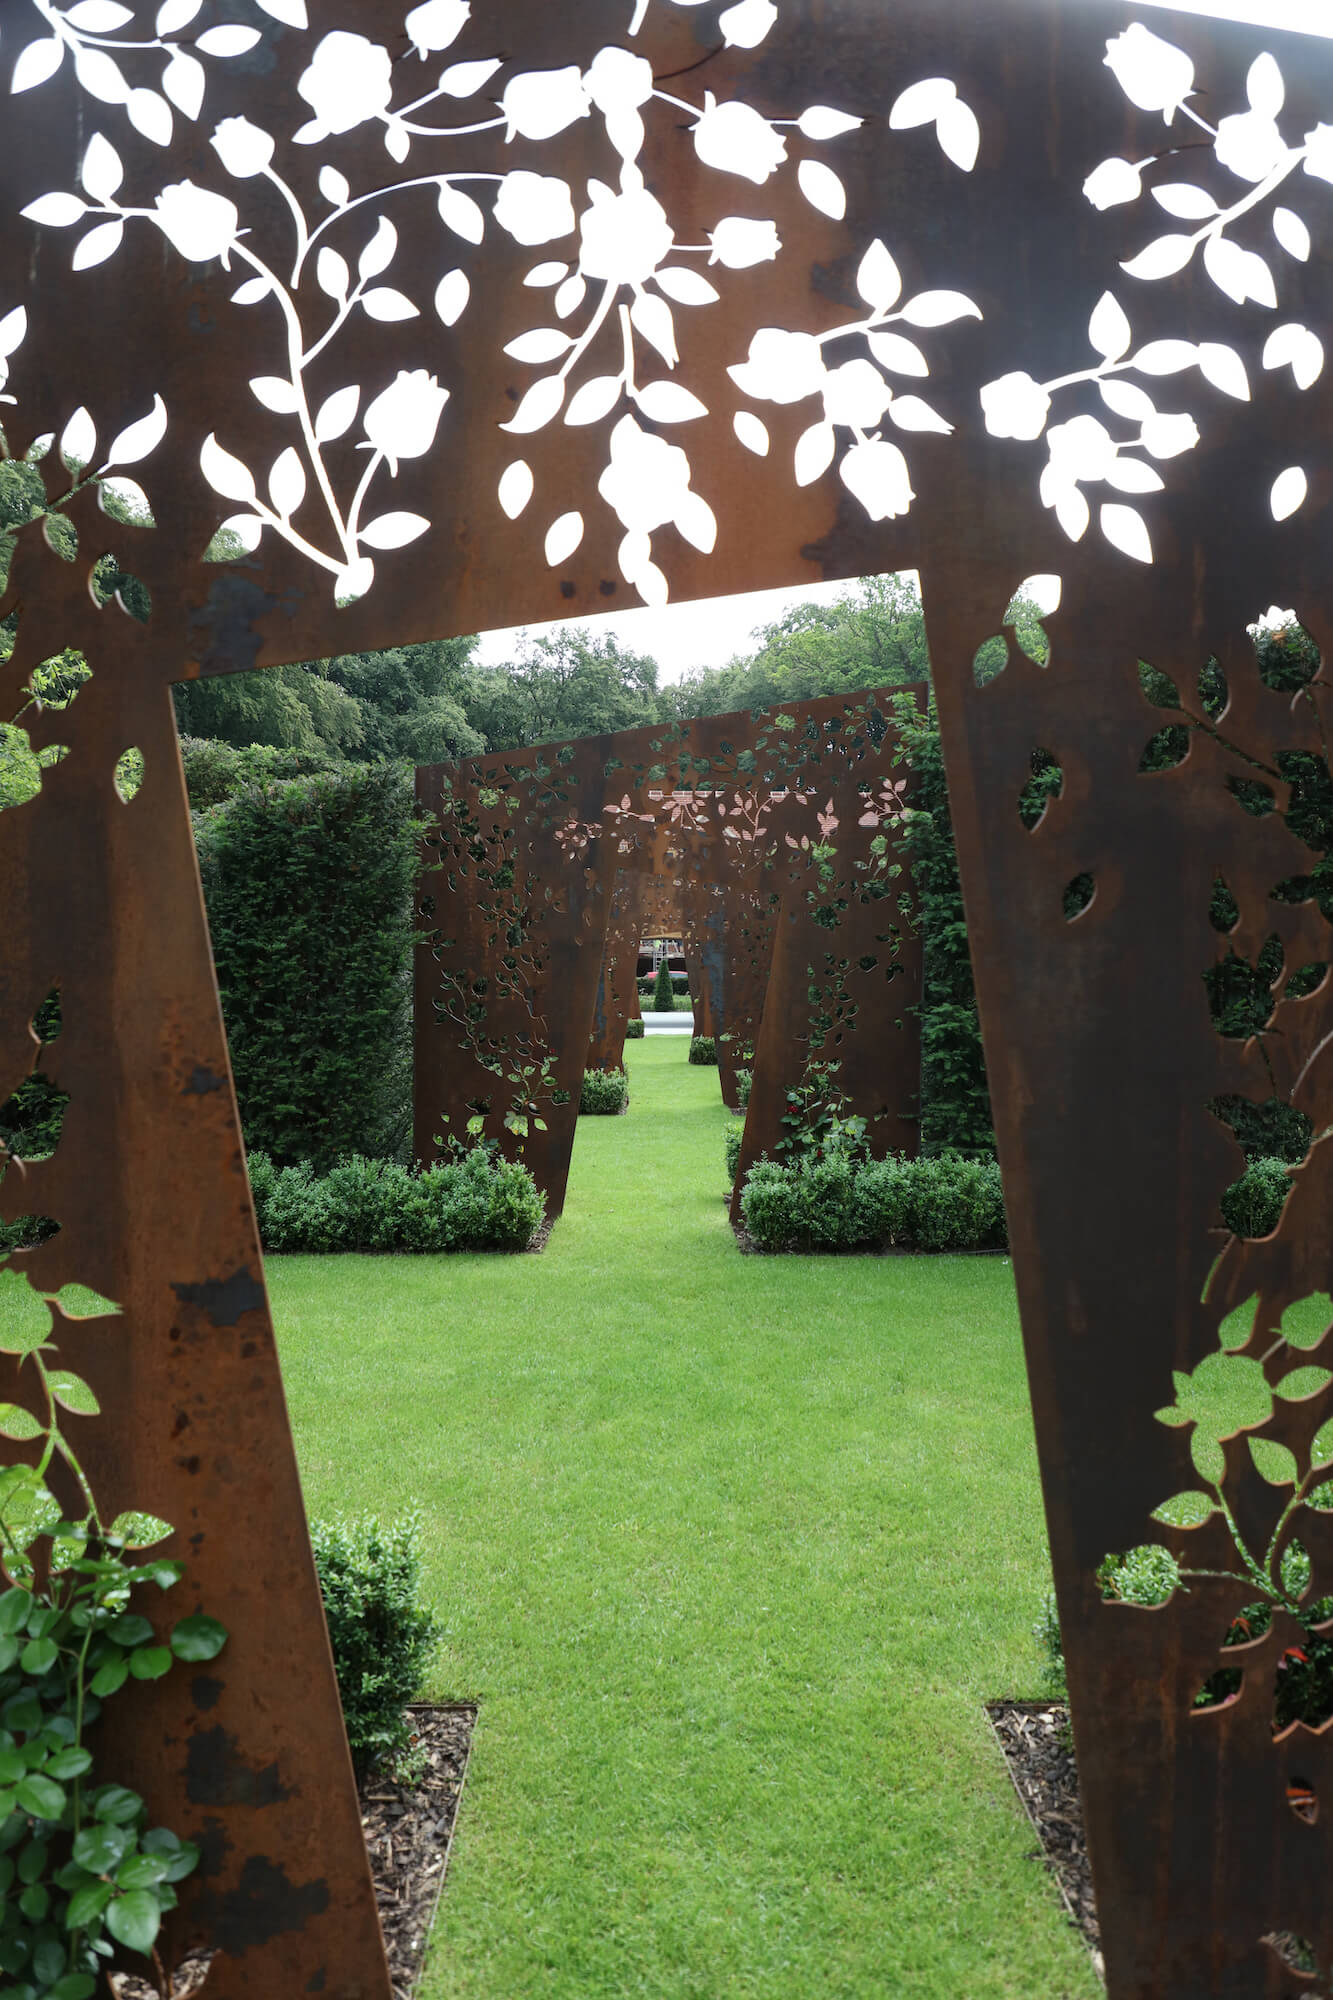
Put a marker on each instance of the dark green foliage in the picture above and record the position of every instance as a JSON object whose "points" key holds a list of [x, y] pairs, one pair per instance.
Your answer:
{"points": [[309, 886], [955, 1099], [703, 1050], [839, 1201], [744, 1084], [733, 1137], [1272, 1130], [382, 1636], [216, 771], [604, 1092], [1252, 1206], [1050, 1644], [472, 1201], [634, 1030], [664, 993]]}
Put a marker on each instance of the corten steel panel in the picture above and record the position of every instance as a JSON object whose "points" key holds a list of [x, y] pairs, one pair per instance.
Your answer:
{"points": [[617, 1001], [1101, 1050]]}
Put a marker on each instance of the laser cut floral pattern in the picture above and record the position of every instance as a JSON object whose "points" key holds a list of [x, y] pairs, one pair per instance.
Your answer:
{"points": [[1156, 75], [628, 275]]}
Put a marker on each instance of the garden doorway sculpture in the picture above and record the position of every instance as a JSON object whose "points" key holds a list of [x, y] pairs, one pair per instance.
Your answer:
{"points": [[456, 320]]}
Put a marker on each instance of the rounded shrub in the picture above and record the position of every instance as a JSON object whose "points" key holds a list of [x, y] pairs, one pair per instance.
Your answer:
{"points": [[744, 1084], [703, 1050], [605, 1092], [381, 1634], [474, 1200], [634, 1029], [1252, 1206], [770, 1205], [734, 1134]]}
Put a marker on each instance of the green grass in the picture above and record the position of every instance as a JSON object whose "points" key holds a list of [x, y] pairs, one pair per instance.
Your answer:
{"points": [[730, 1551]]}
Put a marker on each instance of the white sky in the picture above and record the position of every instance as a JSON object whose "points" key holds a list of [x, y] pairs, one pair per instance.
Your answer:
{"points": [[708, 632]]}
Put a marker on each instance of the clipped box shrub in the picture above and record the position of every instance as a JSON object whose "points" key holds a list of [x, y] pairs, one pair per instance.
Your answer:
{"points": [[734, 1135], [843, 1201], [703, 1050], [1252, 1206], [605, 1092], [472, 1201], [634, 1029], [664, 993], [382, 1635], [744, 1084]]}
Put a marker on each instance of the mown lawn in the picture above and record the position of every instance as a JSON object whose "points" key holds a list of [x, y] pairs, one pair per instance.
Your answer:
{"points": [[730, 1551]]}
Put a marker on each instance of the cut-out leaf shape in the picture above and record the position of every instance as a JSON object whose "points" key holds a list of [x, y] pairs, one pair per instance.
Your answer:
{"points": [[594, 400], [570, 296], [1223, 367], [1274, 1462], [878, 279], [814, 453], [25, 1317], [897, 353], [78, 440], [228, 40], [1185, 201], [822, 188], [140, 1531], [911, 413], [1126, 398], [1108, 329], [97, 246], [1264, 86], [465, 79], [225, 473], [563, 537], [515, 491], [1241, 274], [380, 252], [451, 297], [543, 343], [1185, 1510], [460, 213], [1295, 346], [287, 482], [939, 308], [1161, 258], [687, 288], [1288, 492], [19, 1424], [752, 433], [1165, 357], [100, 76], [959, 134], [73, 1393], [696, 521], [1125, 529], [921, 103], [547, 274], [746, 25], [652, 318], [184, 81], [1292, 234], [821, 121], [668, 403], [337, 414], [1302, 1382], [541, 404], [151, 115], [82, 1302], [275, 394], [251, 292], [13, 326], [38, 61], [103, 170], [393, 531], [140, 438], [382, 302], [247, 529], [333, 273], [335, 187], [129, 494]]}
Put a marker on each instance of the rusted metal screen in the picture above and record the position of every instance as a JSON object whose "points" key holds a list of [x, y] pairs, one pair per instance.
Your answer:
{"points": [[1021, 292]]}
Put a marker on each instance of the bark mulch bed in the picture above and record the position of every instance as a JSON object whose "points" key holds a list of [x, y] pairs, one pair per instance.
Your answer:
{"points": [[409, 1831], [1033, 1736]]}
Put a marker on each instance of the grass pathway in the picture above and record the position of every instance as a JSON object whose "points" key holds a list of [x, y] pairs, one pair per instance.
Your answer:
{"points": [[730, 1550]]}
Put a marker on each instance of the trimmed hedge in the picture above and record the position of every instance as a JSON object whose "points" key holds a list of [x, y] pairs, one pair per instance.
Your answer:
{"points": [[605, 1092], [309, 885], [840, 1202], [634, 1029], [744, 1085], [473, 1201], [734, 1134], [382, 1636], [703, 1050]]}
